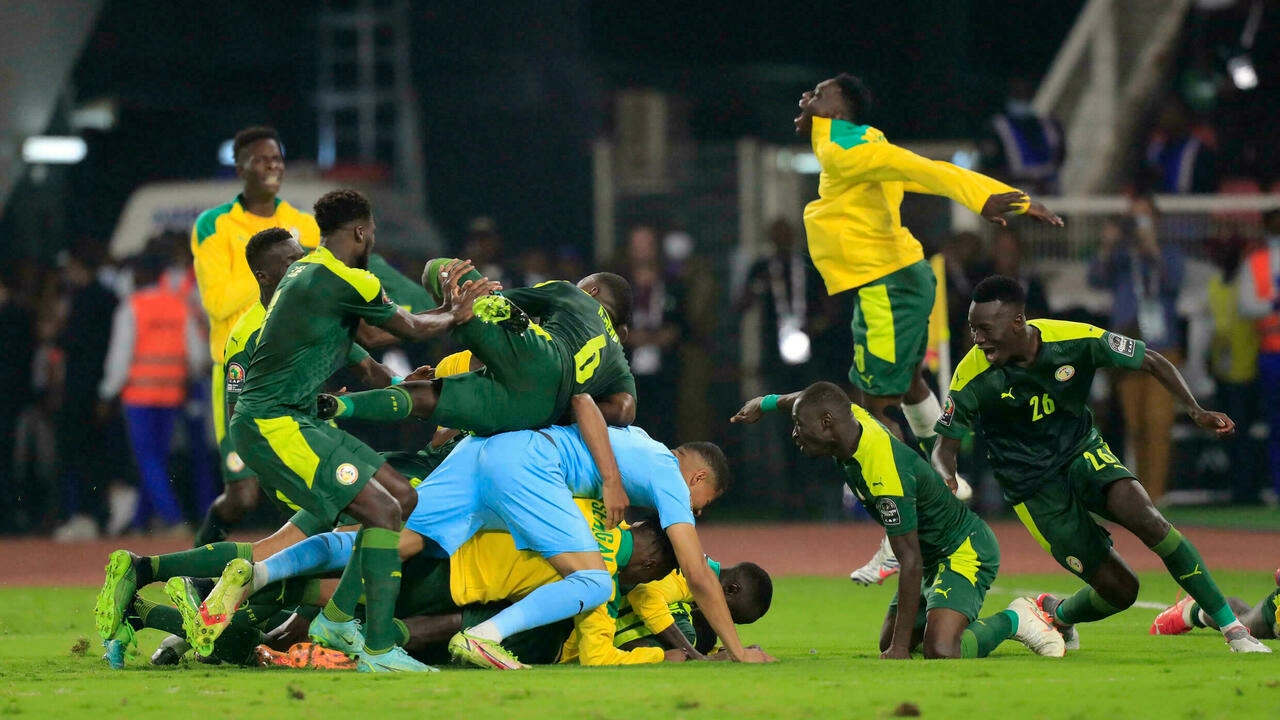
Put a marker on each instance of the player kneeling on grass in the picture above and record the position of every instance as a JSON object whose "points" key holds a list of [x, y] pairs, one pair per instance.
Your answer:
{"points": [[928, 528], [1028, 382], [664, 613], [1263, 619]]}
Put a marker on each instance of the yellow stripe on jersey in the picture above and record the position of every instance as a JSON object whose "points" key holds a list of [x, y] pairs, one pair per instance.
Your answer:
{"points": [[1021, 510], [244, 328], [364, 282], [974, 364], [875, 455], [284, 435], [1060, 330], [874, 306], [965, 562]]}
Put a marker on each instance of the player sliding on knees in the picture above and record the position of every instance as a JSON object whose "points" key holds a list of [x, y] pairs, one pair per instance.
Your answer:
{"points": [[928, 527], [1028, 382]]}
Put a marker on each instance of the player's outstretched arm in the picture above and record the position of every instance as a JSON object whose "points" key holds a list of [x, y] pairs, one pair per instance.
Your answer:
{"points": [[1161, 369], [707, 591], [757, 407], [911, 572], [374, 338], [457, 308], [595, 433]]}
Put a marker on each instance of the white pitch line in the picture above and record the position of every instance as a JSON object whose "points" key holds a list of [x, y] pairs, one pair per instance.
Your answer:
{"points": [[1020, 592]]}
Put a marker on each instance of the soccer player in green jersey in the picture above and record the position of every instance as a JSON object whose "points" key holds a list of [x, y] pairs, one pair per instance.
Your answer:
{"points": [[308, 330], [532, 373], [928, 527], [1028, 382]]}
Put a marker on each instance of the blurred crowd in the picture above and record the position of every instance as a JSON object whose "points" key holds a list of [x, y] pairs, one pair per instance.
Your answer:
{"points": [[81, 460]]}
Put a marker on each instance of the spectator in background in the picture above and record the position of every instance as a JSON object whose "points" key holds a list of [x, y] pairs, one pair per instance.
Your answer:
{"points": [[1006, 259], [85, 435], [963, 256], [697, 296], [787, 287], [1233, 363], [155, 350], [1144, 278], [1024, 148], [1179, 161], [654, 333], [17, 351], [536, 267], [1259, 284], [483, 247], [569, 263]]}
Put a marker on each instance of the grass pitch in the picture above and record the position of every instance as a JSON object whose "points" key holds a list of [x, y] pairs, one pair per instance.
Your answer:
{"points": [[824, 630]]}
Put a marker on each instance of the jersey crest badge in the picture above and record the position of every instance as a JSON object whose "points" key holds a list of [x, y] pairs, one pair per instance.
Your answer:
{"points": [[948, 411], [347, 474], [1064, 373], [234, 463], [888, 510], [1121, 344]]}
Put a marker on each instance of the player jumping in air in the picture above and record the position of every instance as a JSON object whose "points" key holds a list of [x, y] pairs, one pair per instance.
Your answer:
{"points": [[928, 528], [1028, 382], [857, 242]]}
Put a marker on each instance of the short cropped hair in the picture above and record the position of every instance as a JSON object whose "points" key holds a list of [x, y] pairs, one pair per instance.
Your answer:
{"points": [[857, 97], [1000, 288], [755, 593], [620, 298], [251, 135], [713, 456], [262, 243], [825, 395], [339, 207]]}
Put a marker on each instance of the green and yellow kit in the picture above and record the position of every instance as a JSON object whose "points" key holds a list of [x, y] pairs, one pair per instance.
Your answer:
{"points": [[528, 378], [307, 333], [1050, 460], [857, 241], [903, 493]]}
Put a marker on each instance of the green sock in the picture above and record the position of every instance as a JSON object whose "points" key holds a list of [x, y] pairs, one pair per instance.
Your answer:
{"points": [[1188, 569], [380, 567], [1086, 605], [402, 632], [1195, 616], [385, 405], [159, 617], [212, 530], [342, 604], [985, 634], [206, 561]]}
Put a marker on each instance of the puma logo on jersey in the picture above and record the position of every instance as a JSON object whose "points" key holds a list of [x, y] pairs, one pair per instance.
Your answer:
{"points": [[866, 379], [944, 593], [1007, 394]]}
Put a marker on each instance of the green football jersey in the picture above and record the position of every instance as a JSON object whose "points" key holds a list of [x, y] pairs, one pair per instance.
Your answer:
{"points": [[307, 333], [240, 345], [595, 362], [408, 294], [902, 492], [1036, 419]]}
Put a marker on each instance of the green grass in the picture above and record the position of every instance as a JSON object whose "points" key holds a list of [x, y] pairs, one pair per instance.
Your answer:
{"points": [[824, 630]]}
